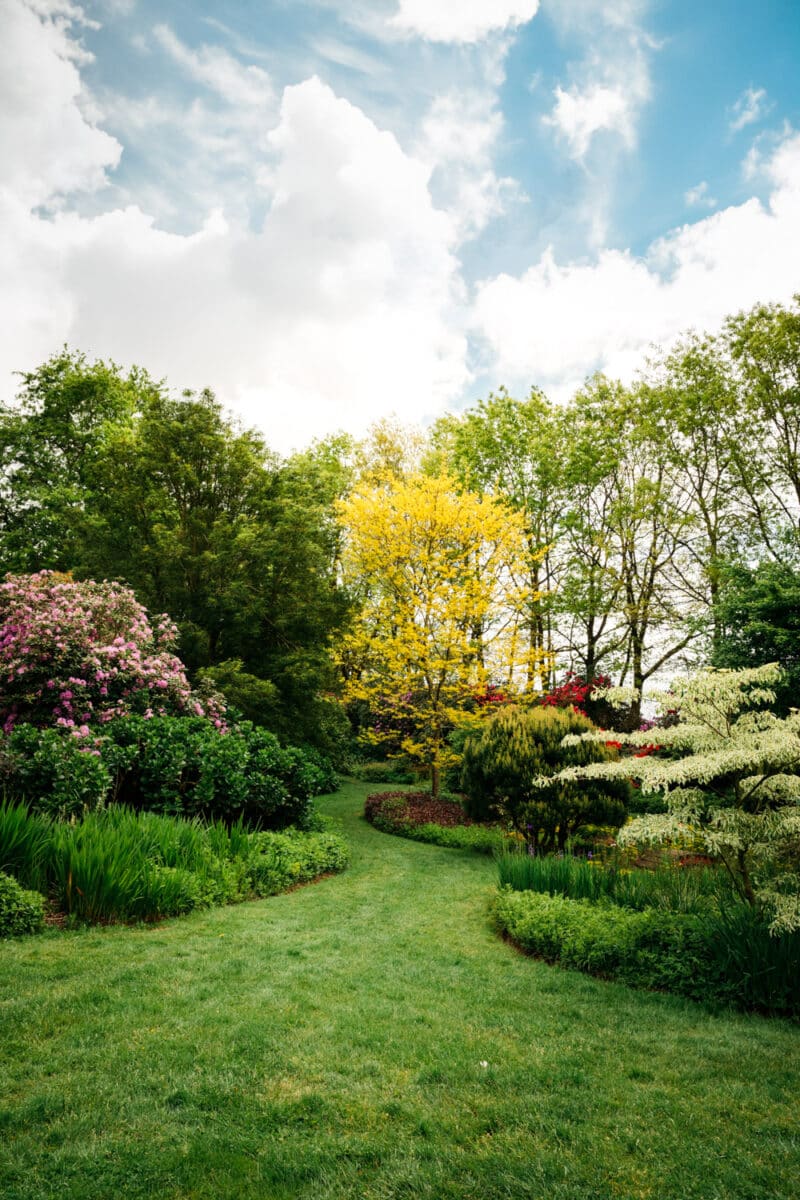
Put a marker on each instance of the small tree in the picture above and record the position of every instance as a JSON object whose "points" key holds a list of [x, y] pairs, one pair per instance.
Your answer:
{"points": [[517, 745], [733, 774], [441, 579]]}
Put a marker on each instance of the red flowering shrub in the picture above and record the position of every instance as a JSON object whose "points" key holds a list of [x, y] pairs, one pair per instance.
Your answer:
{"points": [[77, 654]]}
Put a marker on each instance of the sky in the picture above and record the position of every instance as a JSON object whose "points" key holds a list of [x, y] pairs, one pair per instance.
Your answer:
{"points": [[330, 211]]}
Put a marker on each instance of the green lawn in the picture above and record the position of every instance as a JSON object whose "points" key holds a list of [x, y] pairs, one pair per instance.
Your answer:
{"points": [[369, 1036]]}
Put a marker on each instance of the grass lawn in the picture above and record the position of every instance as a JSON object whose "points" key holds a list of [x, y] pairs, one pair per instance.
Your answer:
{"points": [[369, 1036]]}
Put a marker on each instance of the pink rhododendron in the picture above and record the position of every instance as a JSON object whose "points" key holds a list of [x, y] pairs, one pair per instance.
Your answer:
{"points": [[89, 649]]}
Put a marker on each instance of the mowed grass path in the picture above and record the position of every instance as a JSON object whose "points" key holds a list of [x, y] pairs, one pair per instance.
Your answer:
{"points": [[369, 1036]]}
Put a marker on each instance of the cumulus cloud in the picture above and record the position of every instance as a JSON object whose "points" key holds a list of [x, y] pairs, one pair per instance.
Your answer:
{"points": [[345, 302], [750, 107], [557, 323], [48, 146], [464, 22]]}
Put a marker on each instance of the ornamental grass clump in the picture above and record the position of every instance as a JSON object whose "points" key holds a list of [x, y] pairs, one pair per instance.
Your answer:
{"points": [[668, 888], [120, 865]]}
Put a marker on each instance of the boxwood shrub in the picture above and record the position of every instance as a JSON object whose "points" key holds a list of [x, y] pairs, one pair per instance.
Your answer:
{"points": [[21, 911]]}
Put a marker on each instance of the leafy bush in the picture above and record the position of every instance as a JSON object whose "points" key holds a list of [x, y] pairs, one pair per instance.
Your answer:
{"points": [[21, 911], [185, 766], [516, 746], [384, 772], [177, 765], [55, 772], [660, 950]]}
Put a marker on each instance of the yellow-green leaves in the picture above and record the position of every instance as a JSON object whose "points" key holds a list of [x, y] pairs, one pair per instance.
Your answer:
{"points": [[441, 576]]}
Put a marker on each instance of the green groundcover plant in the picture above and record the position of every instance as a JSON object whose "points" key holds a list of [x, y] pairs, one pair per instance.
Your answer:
{"points": [[21, 911], [722, 957]]}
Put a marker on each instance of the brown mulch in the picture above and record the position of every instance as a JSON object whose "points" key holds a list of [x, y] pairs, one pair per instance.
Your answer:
{"points": [[420, 808]]}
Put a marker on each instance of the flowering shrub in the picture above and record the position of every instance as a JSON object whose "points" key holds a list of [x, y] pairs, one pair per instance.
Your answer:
{"points": [[573, 692], [79, 654]]}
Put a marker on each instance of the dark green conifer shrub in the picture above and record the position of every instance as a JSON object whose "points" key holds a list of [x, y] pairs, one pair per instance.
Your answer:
{"points": [[517, 746]]}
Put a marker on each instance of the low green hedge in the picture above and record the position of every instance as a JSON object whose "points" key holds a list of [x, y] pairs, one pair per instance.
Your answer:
{"points": [[728, 958], [457, 837], [21, 911]]}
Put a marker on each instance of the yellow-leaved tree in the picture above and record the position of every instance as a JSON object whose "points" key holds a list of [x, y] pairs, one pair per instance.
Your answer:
{"points": [[439, 575]]}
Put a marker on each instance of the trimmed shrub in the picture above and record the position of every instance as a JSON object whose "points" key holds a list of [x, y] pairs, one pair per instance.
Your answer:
{"points": [[658, 950], [515, 747], [21, 911]]}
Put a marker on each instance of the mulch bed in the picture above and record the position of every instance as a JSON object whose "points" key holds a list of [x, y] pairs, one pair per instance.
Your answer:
{"points": [[418, 808]]}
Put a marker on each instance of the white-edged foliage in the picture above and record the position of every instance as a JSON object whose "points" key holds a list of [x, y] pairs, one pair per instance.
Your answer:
{"points": [[733, 776]]}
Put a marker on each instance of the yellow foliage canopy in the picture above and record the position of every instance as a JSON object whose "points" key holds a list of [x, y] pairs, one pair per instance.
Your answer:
{"points": [[441, 575]]}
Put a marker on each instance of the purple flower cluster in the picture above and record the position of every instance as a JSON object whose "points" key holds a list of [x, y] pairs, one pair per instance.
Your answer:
{"points": [[80, 654]]}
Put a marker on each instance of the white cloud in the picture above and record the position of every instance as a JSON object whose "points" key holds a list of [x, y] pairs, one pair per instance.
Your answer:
{"points": [[465, 21], [750, 107], [581, 113], [556, 323], [233, 81], [612, 82], [346, 303], [699, 196], [459, 137], [48, 147]]}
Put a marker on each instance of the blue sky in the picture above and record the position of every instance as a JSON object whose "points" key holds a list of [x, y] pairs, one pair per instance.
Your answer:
{"points": [[332, 210]]}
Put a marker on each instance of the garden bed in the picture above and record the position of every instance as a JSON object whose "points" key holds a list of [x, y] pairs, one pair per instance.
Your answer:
{"points": [[423, 818]]}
